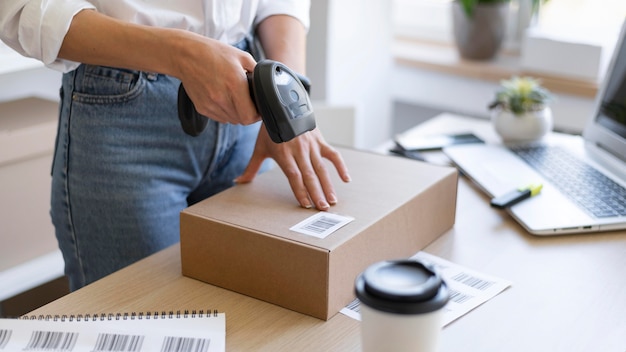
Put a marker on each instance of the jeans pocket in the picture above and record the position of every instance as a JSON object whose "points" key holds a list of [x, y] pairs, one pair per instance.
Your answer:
{"points": [[106, 85]]}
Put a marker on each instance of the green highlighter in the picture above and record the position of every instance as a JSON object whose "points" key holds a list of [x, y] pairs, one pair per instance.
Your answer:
{"points": [[516, 196]]}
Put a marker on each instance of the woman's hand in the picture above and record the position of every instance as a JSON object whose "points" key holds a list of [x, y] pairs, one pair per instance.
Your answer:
{"points": [[302, 161], [214, 76], [302, 158]]}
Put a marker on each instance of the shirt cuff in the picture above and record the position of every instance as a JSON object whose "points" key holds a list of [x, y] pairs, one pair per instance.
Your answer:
{"points": [[43, 28]]}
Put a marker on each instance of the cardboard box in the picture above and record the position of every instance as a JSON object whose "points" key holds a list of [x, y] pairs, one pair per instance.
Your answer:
{"points": [[241, 240]]}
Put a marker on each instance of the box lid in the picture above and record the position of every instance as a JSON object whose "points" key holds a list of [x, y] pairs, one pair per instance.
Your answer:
{"points": [[379, 184]]}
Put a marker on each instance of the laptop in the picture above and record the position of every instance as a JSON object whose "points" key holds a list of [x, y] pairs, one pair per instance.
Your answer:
{"points": [[575, 171]]}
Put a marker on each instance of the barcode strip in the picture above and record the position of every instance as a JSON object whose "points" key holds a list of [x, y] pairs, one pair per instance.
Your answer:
{"points": [[118, 343], [355, 305], [51, 341], [5, 336], [322, 224], [185, 344], [471, 281], [458, 297]]}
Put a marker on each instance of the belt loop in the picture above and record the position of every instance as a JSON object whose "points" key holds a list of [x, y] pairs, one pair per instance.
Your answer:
{"points": [[152, 76]]}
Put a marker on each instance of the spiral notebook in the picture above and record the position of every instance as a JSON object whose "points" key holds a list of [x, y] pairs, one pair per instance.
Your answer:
{"points": [[196, 331]]}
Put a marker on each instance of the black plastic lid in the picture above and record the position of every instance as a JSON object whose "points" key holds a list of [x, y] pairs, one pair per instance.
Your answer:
{"points": [[404, 286]]}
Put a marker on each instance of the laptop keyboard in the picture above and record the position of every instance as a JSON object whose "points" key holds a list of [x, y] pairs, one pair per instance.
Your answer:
{"points": [[597, 194]]}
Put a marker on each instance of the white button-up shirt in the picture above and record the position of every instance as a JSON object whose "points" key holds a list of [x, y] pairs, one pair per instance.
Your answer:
{"points": [[36, 28]]}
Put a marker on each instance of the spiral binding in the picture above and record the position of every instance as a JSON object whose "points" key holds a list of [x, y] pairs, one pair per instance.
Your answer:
{"points": [[123, 316]]}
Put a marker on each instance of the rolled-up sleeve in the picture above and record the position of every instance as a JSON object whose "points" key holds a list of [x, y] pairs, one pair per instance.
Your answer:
{"points": [[295, 8], [36, 28]]}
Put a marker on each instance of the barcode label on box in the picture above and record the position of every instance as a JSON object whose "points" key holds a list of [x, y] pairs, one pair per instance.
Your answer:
{"points": [[321, 224]]}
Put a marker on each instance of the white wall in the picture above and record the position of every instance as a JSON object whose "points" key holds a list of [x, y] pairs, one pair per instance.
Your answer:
{"points": [[471, 96], [21, 78], [349, 62]]}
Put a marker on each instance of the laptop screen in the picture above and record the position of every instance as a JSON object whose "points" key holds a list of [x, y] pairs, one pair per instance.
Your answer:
{"points": [[608, 127], [612, 113]]}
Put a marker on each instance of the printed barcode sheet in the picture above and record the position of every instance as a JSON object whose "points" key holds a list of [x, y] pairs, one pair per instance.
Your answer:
{"points": [[206, 333], [468, 288]]}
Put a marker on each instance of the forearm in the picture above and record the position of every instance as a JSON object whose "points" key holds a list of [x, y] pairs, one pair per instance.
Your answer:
{"points": [[212, 72], [97, 39], [284, 39]]}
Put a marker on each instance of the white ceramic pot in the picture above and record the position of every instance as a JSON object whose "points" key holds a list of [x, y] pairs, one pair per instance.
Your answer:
{"points": [[530, 126]]}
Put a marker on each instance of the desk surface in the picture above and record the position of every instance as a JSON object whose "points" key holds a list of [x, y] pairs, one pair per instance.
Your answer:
{"points": [[568, 293]]}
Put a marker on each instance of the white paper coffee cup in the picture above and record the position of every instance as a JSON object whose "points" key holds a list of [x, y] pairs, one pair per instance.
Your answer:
{"points": [[401, 306]]}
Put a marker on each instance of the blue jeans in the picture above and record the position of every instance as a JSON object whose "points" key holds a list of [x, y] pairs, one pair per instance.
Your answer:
{"points": [[124, 169]]}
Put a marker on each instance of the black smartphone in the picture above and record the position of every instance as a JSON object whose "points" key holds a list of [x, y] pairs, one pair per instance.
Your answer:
{"points": [[411, 154], [437, 142]]}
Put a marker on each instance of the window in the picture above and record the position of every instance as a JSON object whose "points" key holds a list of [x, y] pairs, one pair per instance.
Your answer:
{"points": [[424, 19], [586, 19], [589, 18]]}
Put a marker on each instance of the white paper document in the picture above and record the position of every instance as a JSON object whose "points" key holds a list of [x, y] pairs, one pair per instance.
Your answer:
{"points": [[116, 333], [468, 288]]}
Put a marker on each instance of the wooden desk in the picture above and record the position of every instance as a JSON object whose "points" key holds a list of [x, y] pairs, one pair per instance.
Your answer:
{"points": [[568, 293]]}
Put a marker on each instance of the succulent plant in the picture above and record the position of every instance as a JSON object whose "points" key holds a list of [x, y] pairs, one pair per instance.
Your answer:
{"points": [[520, 95]]}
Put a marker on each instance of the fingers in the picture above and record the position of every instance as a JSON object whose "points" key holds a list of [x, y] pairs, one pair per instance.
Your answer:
{"points": [[216, 82], [335, 158], [310, 183], [226, 99], [302, 161]]}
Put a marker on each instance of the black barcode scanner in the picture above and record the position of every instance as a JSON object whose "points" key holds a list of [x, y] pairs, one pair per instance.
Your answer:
{"points": [[280, 95]]}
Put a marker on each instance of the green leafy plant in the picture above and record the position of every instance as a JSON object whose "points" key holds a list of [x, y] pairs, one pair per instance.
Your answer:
{"points": [[520, 95], [470, 5]]}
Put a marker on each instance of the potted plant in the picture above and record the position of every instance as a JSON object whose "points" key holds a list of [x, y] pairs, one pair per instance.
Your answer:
{"points": [[470, 5], [520, 110], [479, 27]]}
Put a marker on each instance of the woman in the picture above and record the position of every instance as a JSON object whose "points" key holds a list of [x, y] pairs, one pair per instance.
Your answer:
{"points": [[123, 168]]}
